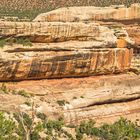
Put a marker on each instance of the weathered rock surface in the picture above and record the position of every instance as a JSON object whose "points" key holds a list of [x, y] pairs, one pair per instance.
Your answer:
{"points": [[68, 46], [57, 32], [135, 63], [73, 54], [104, 113], [95, 50], [117, 14], [58, 64], [134, 33], [102, 98], [90, 13], [131, 28]]}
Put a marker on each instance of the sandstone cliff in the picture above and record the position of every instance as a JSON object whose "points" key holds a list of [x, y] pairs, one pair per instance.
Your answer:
{"points": [[102, 98], [120, 14], [84, 68], [91, 13], [78, 50]]}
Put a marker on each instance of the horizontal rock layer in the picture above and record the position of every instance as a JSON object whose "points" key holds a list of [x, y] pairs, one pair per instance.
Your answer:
{"points": [[54, 32], [101, 98], [58, 64], [64, 46], [90, 13], [45, 32], [104, 113]]}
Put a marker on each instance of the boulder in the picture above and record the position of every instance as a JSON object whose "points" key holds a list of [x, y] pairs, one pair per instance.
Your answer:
{"points": [[91, 13]]}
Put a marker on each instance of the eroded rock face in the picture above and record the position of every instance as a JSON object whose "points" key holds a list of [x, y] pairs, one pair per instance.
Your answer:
{"points": [[59, 32], [103, 113], [102, 98], [58, 64], [134, 32], [132, 29], [90, 13], [78, 50], [73, 54], [121, 14]]}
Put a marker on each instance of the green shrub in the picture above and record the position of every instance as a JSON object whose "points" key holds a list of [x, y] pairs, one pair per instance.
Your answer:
{"points": [[120, 130], [4, 89], [26, 129], [10, 41], [53, 125], [87, 128], [7, 128], [42, 116], [2, 43], [23, 41], [27, 103], [62, 102], [23, 93]]}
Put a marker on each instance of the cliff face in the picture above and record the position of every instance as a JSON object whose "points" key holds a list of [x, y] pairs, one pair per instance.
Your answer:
{"points": [[86, 66], [119, 14], [78, 50], [102, 98], [91, 13], [114, 16]]}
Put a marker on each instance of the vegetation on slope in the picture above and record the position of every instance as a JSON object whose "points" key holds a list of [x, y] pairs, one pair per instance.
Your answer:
{"points": [[31, 8], [22, 126], [10, 41]]}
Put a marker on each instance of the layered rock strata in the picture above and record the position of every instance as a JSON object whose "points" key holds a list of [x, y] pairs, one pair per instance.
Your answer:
{"points": [[90, 49], [102, 98], [134, 32], [45, 32], [91, 13], [122, 14], [53, 64], [73, 54], [129, 17]]}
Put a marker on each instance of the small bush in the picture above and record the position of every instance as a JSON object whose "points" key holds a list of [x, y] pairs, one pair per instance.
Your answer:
{"points": [[10, 41], [23, 41], [61, 102], [120, 130], [7, 128], [27, 103], [23, 93], [2, 43], [26, 128], [42, 116], [4, 89]]}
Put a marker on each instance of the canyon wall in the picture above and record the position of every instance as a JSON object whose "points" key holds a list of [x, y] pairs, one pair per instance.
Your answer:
{"points": [[79, 66]]}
